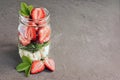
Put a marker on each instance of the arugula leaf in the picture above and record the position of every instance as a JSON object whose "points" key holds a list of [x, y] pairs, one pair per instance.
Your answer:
{"points": [[33, 47], [26, 59], [27, 71], [22, 66], [45, 44], [29, 47]]}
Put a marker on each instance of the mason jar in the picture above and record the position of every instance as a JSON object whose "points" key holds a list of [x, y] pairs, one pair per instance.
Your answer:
{"points": [[34, 37]]}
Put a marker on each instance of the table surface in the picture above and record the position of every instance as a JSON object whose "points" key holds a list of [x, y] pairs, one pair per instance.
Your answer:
{"points": [[85, 39]]}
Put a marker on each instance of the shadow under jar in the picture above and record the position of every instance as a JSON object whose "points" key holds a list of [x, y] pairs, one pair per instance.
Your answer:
{"points": [[34, 37]]}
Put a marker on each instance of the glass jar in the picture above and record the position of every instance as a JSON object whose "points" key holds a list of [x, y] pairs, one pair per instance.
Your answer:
{"points": [[34, 37]]}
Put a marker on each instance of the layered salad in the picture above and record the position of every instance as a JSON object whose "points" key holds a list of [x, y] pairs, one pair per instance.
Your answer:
{"points": [[34, 40], [34, 32]]}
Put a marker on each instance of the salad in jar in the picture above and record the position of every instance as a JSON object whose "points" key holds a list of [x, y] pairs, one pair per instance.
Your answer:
{"points": [[34, 32]]}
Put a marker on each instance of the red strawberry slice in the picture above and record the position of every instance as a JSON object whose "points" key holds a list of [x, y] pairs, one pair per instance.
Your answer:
{"points": [[37, 13], [42, 22], [37, 66], [27, 32], [44, 34], [23, 40], [47, 38], [36, 28], [50, 64], [30, 33], [31, 23]]}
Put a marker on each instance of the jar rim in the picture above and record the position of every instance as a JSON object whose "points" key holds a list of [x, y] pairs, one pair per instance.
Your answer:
{"points": [[28, 19]]}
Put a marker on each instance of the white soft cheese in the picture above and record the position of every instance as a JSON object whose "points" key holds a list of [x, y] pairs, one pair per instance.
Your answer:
{"points": [[42, 53], [45, 51]]}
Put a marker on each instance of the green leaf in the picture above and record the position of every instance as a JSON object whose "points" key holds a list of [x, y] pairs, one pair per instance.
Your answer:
{"points": [[23, 6], [25, 9], [29, 47], [33, 47], [45, 44], [26, 59], [27, 71], [22, 66], [23, 14], [30, 7], [38, 46]]}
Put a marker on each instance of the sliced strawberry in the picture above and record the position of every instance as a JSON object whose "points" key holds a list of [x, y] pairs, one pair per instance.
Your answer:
{"points": [[50, 64], [30, 33], [23, 40], [36, 28], [44, 34], [37, 66], [31, 23], [27, 32], [41, 22], [47, 38], [37, 13]]}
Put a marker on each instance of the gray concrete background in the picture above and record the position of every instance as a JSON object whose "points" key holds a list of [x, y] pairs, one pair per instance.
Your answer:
{"points": [[85, 39]]}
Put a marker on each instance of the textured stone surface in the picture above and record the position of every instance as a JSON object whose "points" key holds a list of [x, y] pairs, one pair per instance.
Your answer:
{"points": [[85, 39]]}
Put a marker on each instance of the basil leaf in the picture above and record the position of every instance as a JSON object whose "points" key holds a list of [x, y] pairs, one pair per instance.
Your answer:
{"points": [[23, 14], [30, 7], [22, 66], [26, 59], [27, 71], [24, 8]]}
